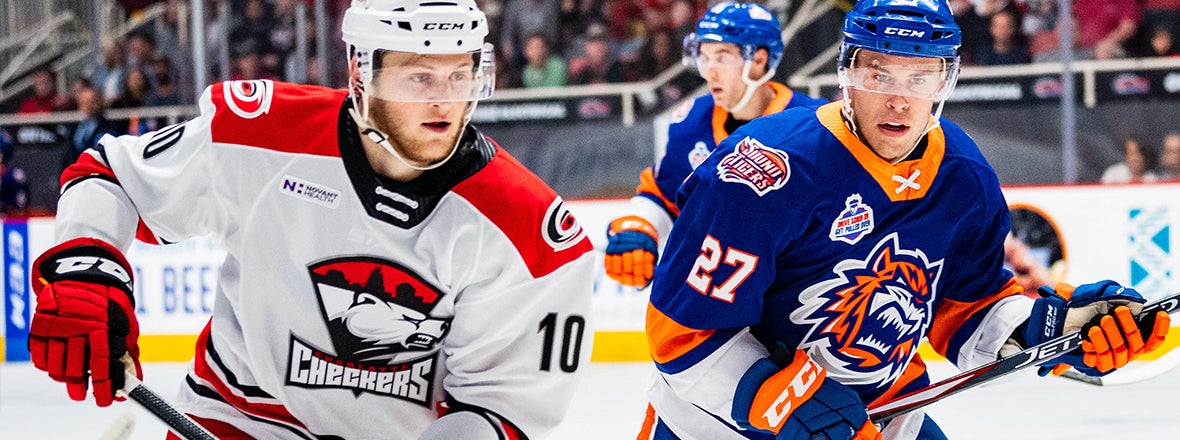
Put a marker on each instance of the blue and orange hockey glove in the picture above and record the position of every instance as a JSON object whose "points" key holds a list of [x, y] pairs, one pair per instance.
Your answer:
{"points": [[631, 251], [799, 402], [84, 330], [1107, 314]]}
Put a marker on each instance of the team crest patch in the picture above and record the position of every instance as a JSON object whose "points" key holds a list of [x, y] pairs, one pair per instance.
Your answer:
{"points": [[864, 325], [561, 230], [699, 153], [380, 321], [755, 165], [248, 99], [854, 222]]}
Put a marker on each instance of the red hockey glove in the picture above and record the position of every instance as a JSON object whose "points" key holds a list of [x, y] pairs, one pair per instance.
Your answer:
{"points": [[1105, 314], [84, 328], [799, 402], [631, 251]]}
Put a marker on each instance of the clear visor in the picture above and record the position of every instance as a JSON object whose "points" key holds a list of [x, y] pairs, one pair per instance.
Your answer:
{"points": [[413, 77], [707, 59], [933, 80]]}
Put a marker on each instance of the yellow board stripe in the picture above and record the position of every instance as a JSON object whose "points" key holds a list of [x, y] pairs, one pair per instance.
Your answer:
{"points": [[632, 347], [166, 348], [612, 346]]}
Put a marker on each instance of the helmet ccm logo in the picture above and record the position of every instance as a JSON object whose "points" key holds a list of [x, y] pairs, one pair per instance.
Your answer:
{"points": [[904, 32], [442, 26]]}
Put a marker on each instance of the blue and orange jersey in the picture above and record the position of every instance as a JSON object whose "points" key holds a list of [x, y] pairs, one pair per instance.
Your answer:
{"points": [[794, 233], [697, 132]]}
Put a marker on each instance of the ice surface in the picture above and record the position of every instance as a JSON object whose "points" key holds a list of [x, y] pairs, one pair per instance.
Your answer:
{"points": [[610, 404]]}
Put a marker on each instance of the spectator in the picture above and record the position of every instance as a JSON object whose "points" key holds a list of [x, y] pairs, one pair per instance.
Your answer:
{"points": [[136, 89], [109, 74], [1170, 158], [577, 16], [252, 32], [682, 19], [544, 69], [92, 127], [657, 55], [248, 65], [1107, 25], [975, 25], [597, 65], [1162, 43], [141, 49], [14, 185], [1040, 16], [1161, 14], [45, 95], [165, 92], [1008, 45], [283, 34], [523, 18], [1137, 167], [1049, 50]]}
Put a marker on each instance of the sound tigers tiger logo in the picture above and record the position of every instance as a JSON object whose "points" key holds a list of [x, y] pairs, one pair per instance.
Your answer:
{"points": [[865, 324]]}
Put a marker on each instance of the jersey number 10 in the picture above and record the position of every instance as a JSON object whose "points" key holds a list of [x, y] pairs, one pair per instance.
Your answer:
{"points": [[571, 342]]}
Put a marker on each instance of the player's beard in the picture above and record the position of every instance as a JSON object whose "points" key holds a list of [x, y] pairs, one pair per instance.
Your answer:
{"points": [[417, 149]]}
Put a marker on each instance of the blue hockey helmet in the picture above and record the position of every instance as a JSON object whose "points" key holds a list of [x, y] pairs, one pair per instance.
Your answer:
{"points": [[906, 28], [748, 25], [913, 28]]}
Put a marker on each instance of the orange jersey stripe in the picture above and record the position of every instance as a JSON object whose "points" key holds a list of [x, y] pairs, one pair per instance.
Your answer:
{"points": [[647, 184], [649, 424], [922, 170], [782, 97], [668, 339], [951, 314]]}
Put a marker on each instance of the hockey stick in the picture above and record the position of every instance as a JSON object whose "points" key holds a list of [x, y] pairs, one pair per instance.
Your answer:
{"points": [[1035, 355], [179, 423], [1138, 371]]}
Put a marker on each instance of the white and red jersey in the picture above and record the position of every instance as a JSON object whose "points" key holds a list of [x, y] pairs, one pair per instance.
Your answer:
{"points": [[350, 305]]}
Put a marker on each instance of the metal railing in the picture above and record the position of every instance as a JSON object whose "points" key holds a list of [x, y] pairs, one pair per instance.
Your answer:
{"points": [[628, 91], [64, 40]]}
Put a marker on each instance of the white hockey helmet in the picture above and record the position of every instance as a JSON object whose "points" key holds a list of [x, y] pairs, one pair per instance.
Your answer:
{"points": [[424, 27]]}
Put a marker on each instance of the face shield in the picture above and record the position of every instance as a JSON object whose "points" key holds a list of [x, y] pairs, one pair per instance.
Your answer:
{"points": [[413, 77], [693, 56], [923, 78]]}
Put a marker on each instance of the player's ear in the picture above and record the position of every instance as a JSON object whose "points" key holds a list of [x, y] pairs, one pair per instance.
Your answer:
{"points": [[761, 58]]}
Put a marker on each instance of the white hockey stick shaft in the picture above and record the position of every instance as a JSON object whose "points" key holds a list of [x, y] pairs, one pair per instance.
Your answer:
{"points": [[1032, 356], [179, 423]]}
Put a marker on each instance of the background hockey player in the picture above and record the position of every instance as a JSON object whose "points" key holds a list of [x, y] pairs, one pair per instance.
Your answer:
{"points": [[391, 272], [817, 248], [736, 48]]}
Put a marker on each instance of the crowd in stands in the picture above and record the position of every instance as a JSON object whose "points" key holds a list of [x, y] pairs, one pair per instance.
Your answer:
{"points": [[548, 43], [577, 42], [1021, 31], [552, 43], [1143, 162]]}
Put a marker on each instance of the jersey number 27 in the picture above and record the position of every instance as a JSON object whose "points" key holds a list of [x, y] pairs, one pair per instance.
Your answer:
{"points": [[710, 259]]}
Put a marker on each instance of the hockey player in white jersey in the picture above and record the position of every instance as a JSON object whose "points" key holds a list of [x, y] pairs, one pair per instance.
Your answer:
{"points": [[391, 272]]}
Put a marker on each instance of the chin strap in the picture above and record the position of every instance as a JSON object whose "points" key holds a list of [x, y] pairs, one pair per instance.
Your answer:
{"points": [[381, 139], [752, 86], [850, 122]]}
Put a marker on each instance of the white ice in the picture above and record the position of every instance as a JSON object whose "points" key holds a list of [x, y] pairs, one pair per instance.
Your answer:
{"points": [[610, 404]]}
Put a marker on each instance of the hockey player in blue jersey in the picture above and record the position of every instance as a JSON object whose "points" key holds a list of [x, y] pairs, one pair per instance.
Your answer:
{"points": [[816, 248], [736, 48]]}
